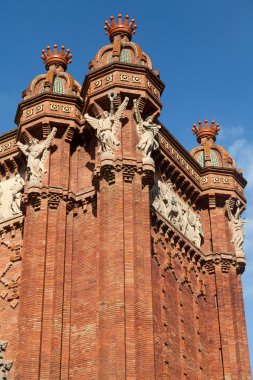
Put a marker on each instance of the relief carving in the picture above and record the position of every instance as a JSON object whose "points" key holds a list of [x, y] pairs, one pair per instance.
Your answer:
{"points": [[5, 365], [36, 152], [147, 131], [179, 214], [16, 194], [108, 126], [10, 197], [234, 209]]}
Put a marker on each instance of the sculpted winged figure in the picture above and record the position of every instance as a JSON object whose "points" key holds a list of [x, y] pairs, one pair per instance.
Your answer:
{"points": [[236, 224], [108, 125], [36, 152], [147, 130]]}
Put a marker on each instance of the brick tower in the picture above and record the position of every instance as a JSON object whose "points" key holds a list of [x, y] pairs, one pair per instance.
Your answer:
{"points": [[121, 252]]}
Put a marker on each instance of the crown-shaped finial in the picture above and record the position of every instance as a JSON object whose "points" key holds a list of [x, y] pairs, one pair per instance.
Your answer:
{"points": [[206, 130], [63, 58], [127, 28]]}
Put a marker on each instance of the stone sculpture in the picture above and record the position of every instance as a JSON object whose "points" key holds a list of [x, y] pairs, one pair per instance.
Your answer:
{"points": [[108, 126], [147, 130], [169, 204], [5, 365], [36, 152], [236, 225], [16, 194], [198, 232]]}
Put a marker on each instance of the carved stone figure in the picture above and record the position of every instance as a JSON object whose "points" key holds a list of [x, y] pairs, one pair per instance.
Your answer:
{"points": [[36, 152], [178, 213], [3, 346], [190, 228], [108, 125], [161, 197], [236, 224], [183, 218], [5, 365], [16, 194], [199, 235], [174, 213], [147, 131]]}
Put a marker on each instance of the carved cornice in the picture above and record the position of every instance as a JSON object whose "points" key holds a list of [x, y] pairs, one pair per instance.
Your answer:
{"points": [[126, 76], [56, 103], [55, 195], [12, 225], [225, 264], [173, 157], [128, 168]]}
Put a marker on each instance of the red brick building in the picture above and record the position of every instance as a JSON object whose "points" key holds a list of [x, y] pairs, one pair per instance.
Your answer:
{"points": [[121, 252]]}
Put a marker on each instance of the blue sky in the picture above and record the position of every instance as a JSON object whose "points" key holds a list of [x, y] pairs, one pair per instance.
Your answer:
{"points": [[203, 49]]}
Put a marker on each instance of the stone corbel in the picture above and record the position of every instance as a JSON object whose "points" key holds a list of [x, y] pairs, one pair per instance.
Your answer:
{"points": [[25, 137], [46, 129], [69, 134], [128, 172], [108, 173], [212, 201], [147, 177], [33, 199], [210, 266], [54, 200], [225, 265]]}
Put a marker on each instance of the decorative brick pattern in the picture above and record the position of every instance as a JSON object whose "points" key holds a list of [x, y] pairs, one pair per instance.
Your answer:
{"points": [[94, 282]]}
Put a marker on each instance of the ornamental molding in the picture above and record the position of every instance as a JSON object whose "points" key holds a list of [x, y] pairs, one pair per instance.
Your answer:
{"points": [[208, 178], [224, 263], [55, 196], [173, 152], [6, 146], [128, 168]]}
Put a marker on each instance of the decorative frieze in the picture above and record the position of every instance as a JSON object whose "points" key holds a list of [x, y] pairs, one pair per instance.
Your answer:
{"points": [[7, 145], [177, 212], [153, 89], [10, 197], [29, 112], [179, 158], [54, 107], [39, 108], [124, 77], [66, 109]]}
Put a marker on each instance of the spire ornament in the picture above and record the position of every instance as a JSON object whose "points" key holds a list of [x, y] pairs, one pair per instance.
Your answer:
{"points": [[62, 57], [127, 28], [205, 130]]}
